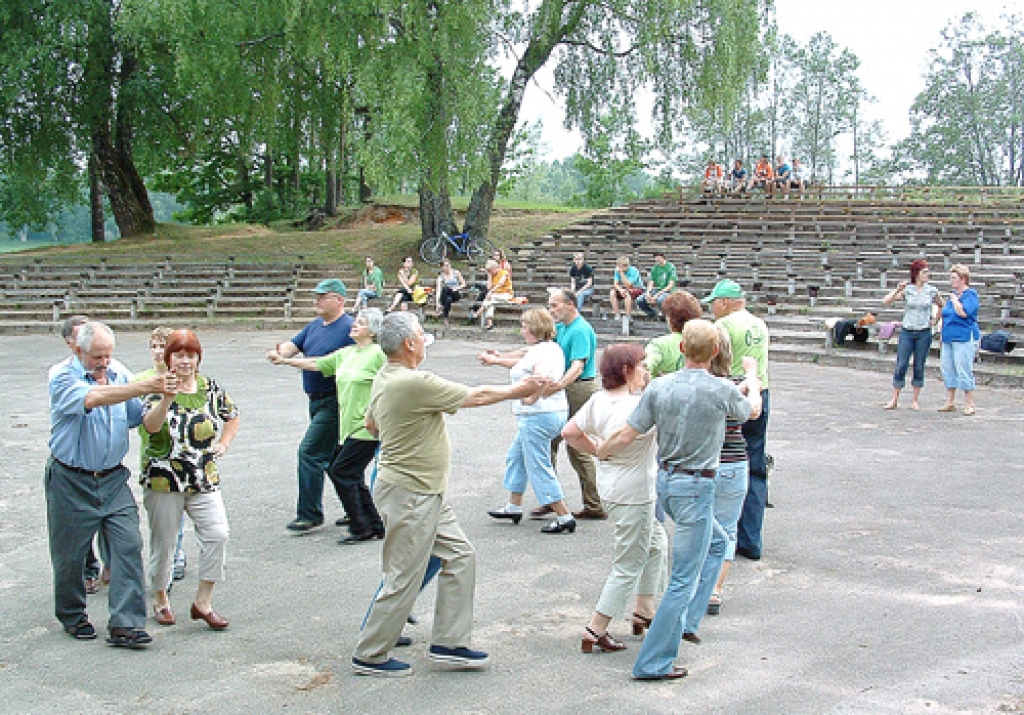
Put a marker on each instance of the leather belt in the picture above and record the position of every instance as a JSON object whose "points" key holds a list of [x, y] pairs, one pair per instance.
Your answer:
{"points": [[320, 395], [705, 473], [88, 472]]}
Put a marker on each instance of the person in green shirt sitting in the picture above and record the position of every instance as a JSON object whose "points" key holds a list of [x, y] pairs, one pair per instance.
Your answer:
{"points": [[660, 284], [373, 285]]}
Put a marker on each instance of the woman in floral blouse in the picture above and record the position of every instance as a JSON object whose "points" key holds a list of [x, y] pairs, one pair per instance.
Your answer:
{"points": [[187, 434]]}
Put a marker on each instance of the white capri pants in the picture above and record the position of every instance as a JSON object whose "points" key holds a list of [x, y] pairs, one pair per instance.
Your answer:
{"points": [[211, 524]]}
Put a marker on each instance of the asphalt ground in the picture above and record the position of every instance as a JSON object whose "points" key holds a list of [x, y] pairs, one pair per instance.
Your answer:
{"points": [[892, 580]]}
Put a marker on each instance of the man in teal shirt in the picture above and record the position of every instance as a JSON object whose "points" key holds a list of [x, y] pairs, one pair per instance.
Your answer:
{"points": [[578, 341], [660, 284]]}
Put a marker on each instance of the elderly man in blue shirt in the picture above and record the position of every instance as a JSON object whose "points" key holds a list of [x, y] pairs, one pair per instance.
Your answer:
{"points": [[92, 408]]}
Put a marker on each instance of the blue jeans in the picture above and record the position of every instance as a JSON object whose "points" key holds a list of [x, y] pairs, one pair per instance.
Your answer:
{"points": [[689, 500], [916, 343], [730, 491], [364, 296], [315, 452], [748, 531], [581, 296], [529, 456], [646, 306], [957, 362]]}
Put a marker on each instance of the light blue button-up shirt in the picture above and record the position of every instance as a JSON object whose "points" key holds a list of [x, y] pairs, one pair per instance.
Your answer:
{"points": [[95, 439]]}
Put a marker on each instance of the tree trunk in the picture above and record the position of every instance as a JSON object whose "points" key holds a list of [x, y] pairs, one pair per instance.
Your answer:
{"points": [[268, 169], [97, 219], [552, 27], [436, 213], [331, 202], [243, 179]]}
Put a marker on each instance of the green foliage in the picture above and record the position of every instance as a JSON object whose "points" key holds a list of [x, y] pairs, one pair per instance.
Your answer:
{"points": [[967, 126]]}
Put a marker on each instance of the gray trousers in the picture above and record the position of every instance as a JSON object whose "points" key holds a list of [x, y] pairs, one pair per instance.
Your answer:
{"points": [[78, 506], [416, 527]]}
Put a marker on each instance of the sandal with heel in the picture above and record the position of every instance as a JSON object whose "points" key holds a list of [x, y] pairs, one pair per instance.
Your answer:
{"points": [[603, 642], [640, 624]]}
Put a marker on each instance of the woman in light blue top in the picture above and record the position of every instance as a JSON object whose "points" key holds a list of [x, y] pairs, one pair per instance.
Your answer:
{"points": [[916, 334], [960, 336]]}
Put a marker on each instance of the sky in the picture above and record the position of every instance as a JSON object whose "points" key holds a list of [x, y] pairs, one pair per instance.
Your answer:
{"points": [[890, 37]]}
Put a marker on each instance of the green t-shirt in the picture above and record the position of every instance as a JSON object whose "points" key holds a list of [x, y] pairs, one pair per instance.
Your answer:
{"points": [[661, 276], [749, 336], [374, 278], [143, 434], [579, 342], [662, 355], [353, 368], [408, 407]]}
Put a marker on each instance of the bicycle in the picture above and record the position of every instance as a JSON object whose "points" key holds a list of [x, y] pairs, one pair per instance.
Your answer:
{"points": [[433, 250]]}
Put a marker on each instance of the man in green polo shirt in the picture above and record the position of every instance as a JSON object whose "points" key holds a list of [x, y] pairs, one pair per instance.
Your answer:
{"points": [[748, 335], [660, 284]]}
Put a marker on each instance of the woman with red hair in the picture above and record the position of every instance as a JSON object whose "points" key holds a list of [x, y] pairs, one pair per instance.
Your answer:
{"points": [[188, 432], [626, 485], [916, 333]]}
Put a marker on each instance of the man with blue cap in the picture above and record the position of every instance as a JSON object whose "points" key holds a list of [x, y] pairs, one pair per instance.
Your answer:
{"points": [[328, 332], [749, 336]]}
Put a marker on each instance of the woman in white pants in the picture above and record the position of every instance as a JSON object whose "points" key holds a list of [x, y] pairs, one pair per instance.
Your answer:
{"points": [[188, 432], [626, 485]]}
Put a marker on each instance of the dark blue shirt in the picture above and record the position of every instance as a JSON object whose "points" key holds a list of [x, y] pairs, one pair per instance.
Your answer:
{"points": [[317, 339]]}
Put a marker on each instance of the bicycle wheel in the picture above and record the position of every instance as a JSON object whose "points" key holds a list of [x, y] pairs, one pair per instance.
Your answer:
{"points": [[432, 250], [477, 248]]}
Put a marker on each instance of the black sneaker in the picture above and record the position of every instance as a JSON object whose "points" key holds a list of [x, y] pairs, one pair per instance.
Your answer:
{"points": [[302, 525], [133, 638], [83, 630]]}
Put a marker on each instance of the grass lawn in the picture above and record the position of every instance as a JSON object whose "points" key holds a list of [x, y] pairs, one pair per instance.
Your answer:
{"points": [[390, 233]]}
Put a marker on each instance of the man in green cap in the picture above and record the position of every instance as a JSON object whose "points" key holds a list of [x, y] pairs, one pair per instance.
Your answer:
{"points": [[749, 336], [328, 332]]}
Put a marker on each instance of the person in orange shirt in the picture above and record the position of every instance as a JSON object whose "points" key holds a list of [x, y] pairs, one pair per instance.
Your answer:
{"points": [[764, 175], [714, 175]]}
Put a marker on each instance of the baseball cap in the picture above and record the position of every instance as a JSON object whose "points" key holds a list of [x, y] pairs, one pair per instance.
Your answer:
{"points": [[330, 285], [724, 289]]}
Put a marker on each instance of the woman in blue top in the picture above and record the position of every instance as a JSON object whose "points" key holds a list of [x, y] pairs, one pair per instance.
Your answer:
{"points": [[960, 336], [916, 333]]}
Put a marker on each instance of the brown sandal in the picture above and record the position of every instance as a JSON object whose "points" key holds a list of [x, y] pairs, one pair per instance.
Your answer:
{"points": [[640, 624], [604, 642]]}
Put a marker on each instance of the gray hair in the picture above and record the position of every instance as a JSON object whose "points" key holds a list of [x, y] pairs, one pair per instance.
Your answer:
{"points": [[90, 330], [67, 328], [397, 328], [374, 318]]}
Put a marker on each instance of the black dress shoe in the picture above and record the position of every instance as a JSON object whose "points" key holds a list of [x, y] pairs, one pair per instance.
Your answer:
{"points": [[691, 638], [515, 516], [560, 527], [747, 554], [303, 525], [368, 535], [403, 642], [343, 521]]}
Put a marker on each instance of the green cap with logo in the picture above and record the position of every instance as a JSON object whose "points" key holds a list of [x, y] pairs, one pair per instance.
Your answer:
{"points": [[724, 289], [330, 285]]}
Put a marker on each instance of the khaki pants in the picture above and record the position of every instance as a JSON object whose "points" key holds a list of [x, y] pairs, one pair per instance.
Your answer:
{"points": [[578, 393], [417, 526]]}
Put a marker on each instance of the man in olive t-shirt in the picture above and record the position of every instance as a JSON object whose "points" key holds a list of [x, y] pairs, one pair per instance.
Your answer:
{"points": [[749, 337], [406, 412]]}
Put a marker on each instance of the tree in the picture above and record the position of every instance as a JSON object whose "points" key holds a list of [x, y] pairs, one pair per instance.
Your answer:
{"points": [[68, 90], [821, 103], [689, 53], [967, 126]]}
